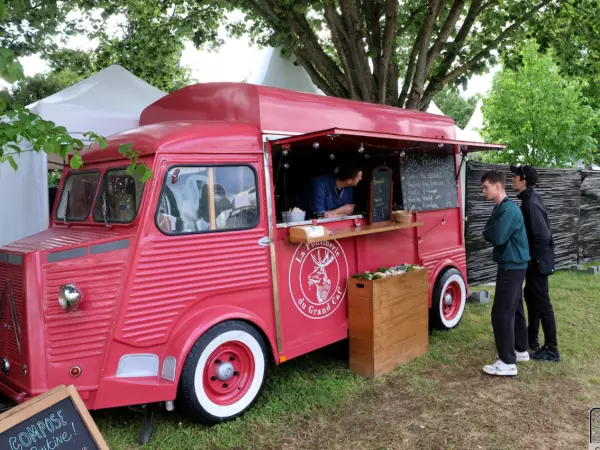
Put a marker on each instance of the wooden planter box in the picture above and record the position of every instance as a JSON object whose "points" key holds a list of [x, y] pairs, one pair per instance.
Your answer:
{"points": [[388, 322]]}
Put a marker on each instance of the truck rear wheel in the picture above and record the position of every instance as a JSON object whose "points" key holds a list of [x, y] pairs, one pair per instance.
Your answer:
{"points": [[224, 373], [449, 300]]}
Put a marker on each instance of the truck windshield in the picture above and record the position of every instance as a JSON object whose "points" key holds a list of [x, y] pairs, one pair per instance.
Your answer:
{"points": [[77, 196], [118, 198]]}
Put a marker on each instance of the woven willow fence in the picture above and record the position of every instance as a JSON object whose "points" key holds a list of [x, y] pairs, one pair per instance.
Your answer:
{"points": [[572, 199]]}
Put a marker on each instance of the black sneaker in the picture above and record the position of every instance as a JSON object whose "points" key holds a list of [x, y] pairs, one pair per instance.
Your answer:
{"points": [[535, 347], [546, 354]]}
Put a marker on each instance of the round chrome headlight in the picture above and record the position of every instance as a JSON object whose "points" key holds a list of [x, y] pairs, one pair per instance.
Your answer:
{"points": [[69, 297], [5, 366]]}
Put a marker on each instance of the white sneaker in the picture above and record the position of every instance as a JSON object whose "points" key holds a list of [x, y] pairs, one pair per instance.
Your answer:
{"points": [[501, 369], [522, 356]]}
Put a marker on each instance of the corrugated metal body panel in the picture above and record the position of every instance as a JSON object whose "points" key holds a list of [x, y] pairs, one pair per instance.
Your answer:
{"points": [[173, 272], [8, 341], [56, 238], [14, 343], [76, 335], [457, 255]]}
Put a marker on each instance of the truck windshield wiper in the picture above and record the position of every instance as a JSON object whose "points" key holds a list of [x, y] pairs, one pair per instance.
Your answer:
{"points": [[105, 209], [67, 208]]}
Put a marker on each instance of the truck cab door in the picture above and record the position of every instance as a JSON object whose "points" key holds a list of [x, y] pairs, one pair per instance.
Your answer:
{"points": [[206, 247]]}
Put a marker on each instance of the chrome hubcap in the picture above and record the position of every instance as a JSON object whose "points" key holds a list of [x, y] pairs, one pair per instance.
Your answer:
{"points": [[448, 299], [225, 371]]}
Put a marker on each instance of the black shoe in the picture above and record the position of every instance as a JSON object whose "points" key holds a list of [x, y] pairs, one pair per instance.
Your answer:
{"points": [[546, 354], [535, 347]]}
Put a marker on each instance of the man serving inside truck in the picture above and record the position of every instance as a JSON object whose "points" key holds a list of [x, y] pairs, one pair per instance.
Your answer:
{"points": [[332, 195]]}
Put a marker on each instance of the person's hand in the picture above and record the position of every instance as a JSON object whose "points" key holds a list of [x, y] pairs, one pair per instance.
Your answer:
{"points": [[347, 210]]}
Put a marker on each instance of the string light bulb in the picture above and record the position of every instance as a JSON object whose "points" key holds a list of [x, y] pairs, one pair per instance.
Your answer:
{"points": [[361, 149], [316, 145]]}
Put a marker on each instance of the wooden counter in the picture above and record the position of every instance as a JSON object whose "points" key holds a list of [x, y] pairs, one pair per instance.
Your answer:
{"points": [[353, 231]]}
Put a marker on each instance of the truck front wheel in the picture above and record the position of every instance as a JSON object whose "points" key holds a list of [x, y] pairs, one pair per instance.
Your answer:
{"points": [[224, 373], [449, 299]]}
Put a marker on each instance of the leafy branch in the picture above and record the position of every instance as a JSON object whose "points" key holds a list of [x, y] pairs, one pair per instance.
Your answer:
{"points": [[19, 125]]}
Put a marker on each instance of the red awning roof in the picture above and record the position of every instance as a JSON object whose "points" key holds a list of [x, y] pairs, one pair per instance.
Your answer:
{"points": [[331, 138]]}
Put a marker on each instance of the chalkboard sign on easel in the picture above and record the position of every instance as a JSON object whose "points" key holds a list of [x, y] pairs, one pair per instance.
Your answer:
{"points": [[428, 180], [381, 194], [55, 420]]}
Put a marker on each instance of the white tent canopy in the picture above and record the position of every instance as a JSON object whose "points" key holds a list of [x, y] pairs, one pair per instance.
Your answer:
{"points": [[106, 103], [459, 134], [475, 124], [277, 71]]}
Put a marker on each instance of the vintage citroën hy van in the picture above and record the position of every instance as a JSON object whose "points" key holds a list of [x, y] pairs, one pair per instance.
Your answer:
{"points": [[183, 287]]}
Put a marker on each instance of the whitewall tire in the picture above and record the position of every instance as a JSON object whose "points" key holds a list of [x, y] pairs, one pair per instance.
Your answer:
{"points": [[449, 300], [224, 373]]}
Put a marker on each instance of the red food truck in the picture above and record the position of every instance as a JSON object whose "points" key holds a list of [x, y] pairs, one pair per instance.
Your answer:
{"points": [[186, 286]]}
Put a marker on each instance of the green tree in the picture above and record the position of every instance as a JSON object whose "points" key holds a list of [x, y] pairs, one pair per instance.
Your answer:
{"points": [[28, 26], [156, 62], [354, 49], [540, 115], [350, 49], [54, 178], [454, 105], [572, 32], [32, 89]]}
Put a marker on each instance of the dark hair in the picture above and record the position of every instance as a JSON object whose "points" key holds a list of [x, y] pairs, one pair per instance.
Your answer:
{"points": [[494, 177], [527, 173], [348, 170]]}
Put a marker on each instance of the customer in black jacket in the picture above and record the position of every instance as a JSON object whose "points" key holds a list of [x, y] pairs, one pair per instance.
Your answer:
{"points": [[541, 248]]}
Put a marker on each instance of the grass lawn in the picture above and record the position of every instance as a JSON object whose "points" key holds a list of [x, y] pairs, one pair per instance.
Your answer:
{"points": [[440, 401]]}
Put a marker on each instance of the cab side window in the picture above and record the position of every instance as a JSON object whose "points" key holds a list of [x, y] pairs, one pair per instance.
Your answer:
{"points": [[208, 199]]}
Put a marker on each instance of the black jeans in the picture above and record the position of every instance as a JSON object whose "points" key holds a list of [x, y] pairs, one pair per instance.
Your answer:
{"points": [[508, 316], [539, 308]]}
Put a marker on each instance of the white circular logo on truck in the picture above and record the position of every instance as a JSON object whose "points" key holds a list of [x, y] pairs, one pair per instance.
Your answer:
{"points": [[318, 278]]}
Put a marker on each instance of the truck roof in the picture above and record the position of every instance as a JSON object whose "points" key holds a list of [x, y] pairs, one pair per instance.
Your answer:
{"points": [[224, 115], [183, 137], [285, 112]]}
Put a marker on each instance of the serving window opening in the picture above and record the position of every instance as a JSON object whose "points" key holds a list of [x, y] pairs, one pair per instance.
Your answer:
{"points": [[417, 176]]}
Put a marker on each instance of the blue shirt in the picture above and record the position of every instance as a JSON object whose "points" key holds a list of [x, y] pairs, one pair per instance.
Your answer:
{"points": [[322, 195]]}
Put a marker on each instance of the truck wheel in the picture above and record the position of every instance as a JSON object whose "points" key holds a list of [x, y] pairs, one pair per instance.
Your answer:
{"points": [[224, 373], [449, 299]]}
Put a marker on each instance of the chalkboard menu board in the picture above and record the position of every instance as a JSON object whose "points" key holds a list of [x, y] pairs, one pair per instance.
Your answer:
{"points": [[428, 180], [56, 420], [381, 194]]}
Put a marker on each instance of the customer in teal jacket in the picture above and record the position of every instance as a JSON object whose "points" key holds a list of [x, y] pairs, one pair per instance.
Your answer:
{"points": [[505, 230]]}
